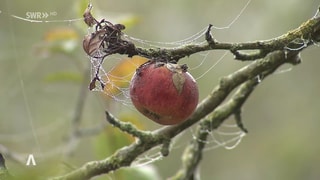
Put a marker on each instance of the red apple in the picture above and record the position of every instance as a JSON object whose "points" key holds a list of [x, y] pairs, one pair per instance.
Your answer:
{"points": [[164, 92]]}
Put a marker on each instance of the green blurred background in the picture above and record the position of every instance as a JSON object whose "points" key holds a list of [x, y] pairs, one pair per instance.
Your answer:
{"points": [[43, 69]]}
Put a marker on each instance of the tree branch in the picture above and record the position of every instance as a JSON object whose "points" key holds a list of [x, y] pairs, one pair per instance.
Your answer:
{"points": [[126, 155], [274, 53], [193, 152], [308, 32]]}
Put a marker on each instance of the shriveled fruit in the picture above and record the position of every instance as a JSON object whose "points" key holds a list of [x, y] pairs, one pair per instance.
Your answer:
{"points": [[164, 92]]}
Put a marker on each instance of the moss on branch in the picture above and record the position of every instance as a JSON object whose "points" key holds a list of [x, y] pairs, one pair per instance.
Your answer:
{"points": [[273, 53], [308, 32], [126, 155]]}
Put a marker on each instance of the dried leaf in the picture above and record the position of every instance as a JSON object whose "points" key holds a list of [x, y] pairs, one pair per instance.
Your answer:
{"points": [[178, 81]]}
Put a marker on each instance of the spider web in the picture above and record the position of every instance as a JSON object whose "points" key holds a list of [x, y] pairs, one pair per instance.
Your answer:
{"points": [[227, 136], [122, 93]]}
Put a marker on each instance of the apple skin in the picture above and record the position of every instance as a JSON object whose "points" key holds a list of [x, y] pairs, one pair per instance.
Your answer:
{"points": [[164, 92]]}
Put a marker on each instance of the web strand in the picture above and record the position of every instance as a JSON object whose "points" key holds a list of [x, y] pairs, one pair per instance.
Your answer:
{"points": [[236, 18], [29, 117], [122, 96]]}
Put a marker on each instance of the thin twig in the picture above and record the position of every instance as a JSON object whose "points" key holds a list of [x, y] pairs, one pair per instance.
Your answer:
{"points": [[4, 173], [126, 127]]}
